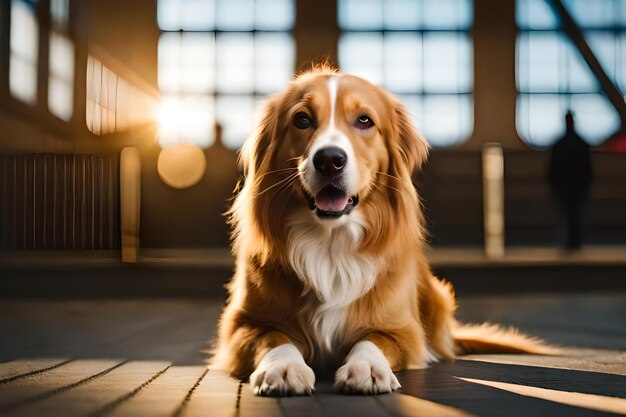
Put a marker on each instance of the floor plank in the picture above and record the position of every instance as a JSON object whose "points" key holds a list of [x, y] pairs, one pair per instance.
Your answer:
{"points": [[94, 395], [50, 383], [250, 405], [216, 394], [162, 397], [22, 368]]}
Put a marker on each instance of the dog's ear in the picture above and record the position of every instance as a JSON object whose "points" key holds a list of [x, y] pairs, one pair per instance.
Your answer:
{"points": [[255, 148], [413, 146]]}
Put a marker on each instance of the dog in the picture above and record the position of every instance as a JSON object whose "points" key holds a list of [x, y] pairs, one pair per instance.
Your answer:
{"points": [[328, 237]]}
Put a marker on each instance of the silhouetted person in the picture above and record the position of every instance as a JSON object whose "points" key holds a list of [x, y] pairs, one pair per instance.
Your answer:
{"points": [[570, 179]]}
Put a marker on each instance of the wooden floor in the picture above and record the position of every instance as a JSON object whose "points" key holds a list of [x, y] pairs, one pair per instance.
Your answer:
{"points": [[144, 358]]}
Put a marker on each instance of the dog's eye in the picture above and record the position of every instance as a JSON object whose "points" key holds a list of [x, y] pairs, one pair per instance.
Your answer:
{"points": [[364, 122], [302, 121]]}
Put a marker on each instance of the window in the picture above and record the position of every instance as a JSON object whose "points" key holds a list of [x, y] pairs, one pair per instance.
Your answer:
{"points": [[419, 50], [24, 50], [61, 62], [113, 103], [218, 59], [552, 76]]}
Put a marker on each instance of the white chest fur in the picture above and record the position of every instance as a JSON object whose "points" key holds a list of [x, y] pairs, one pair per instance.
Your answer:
{"points": [[325, 258]]}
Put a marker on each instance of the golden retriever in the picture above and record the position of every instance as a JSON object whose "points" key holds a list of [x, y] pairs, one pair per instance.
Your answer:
{"points": [[328, 237]]}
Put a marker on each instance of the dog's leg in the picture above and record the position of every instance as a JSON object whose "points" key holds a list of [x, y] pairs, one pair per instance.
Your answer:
{"points": [[282, 371], [367, 370]]}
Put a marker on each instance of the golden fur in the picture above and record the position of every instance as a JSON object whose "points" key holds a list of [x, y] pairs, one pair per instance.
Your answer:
{"points": [[407, 313]]}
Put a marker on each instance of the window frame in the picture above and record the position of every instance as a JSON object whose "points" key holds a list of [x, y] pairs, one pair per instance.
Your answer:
{"points": [[255, 96], [423, 93], [38, 111], [567, 95]]}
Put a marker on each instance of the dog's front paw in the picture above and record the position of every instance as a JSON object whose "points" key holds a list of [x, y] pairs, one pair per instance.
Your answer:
{"points": [[282, 372], [366, 371]]}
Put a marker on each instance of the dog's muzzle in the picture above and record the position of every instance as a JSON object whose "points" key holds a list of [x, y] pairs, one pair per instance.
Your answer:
{"points": [[331, 200]]}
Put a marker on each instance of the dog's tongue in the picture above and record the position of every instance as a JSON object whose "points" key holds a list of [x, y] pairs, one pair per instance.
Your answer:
{"points": [[331, 199]]}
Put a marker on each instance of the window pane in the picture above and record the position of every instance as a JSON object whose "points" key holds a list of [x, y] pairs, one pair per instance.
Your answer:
{"points": [[104, 86], [538, 68], [402, 14], [23, 80], [24, 50], [275, 61], [24, 30], [360, 14], [591, 13], [578, 77], [60, 98], [235, 15], [620, 15], [186, 62], [596, 119], [235, 63], [274, 14], [60, 12], [403, 62], [186, 14], [235, 114], [361, 54], [61, 57], [535, 14], [446, 120], [94, 68], [540, 118], [447, 63], [96, 120], [610, 49], [61, 79], [447, 14]]}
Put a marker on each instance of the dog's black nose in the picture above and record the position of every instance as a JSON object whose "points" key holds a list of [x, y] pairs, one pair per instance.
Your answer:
{"points": [[330, 160]]}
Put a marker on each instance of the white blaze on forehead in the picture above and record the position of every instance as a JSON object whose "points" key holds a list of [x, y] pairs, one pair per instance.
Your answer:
{"points": [[331, 136]]}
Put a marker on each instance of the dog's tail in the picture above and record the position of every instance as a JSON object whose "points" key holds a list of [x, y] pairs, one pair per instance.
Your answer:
{"points": [[492, 338], [438, 316]]}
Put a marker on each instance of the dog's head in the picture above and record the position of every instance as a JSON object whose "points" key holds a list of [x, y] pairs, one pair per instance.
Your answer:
{"points": [[332, 144]]}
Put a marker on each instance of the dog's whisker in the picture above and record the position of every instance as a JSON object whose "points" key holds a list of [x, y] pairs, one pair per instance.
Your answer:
{"points": [[388, 186], [282, 182], [278, 170], [290, 177], [283, 187], [291, 180], [388, 175]]}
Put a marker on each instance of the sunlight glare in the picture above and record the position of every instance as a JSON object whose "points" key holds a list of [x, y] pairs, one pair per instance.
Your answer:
{"points": [[188, 120]]}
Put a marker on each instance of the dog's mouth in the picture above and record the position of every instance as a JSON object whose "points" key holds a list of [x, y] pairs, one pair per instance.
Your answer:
{"points": [[331, 202]]}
